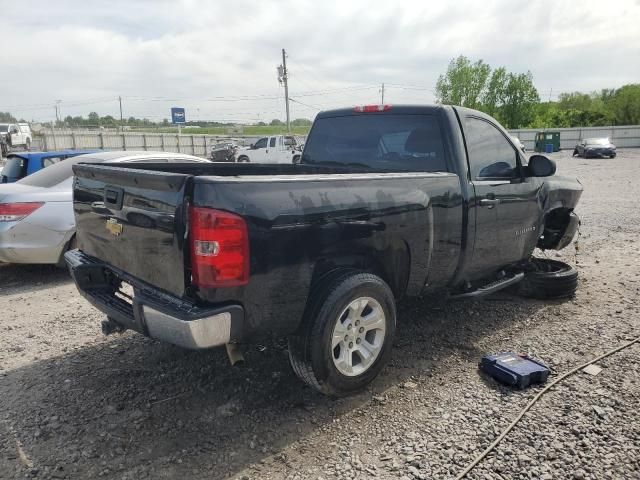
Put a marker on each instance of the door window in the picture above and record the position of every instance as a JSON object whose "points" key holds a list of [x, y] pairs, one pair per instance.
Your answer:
{"points": [[47, 162], [491, 156], [272, 142], [262, 143]]}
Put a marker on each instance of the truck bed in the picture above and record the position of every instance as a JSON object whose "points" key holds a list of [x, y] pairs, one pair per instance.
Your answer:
{"points": [[300, 219]]}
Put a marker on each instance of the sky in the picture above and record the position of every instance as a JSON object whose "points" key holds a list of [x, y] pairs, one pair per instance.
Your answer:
{"points": [[218, 59]]}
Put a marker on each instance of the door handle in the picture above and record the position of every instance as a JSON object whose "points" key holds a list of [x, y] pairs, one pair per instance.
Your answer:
{"points": [[489, 202]]}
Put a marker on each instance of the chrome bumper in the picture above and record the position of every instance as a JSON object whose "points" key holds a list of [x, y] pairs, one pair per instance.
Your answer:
{"points": [[151, 312]]}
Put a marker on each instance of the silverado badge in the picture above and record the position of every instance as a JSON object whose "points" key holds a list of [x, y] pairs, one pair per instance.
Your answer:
{"points": [[114, 227]]}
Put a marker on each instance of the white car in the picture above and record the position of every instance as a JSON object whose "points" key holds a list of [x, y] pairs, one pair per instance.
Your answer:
{"points": [[36, 213], [275, 149]]}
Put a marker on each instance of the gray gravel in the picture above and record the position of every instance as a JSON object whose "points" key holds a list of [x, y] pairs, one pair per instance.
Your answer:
{"points": [[78, 405]]}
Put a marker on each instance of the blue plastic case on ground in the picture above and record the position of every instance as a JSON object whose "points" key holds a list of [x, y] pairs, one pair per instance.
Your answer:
{"points": [[513, 369]]}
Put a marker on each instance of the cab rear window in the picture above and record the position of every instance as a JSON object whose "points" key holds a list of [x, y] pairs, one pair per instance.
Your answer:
{"points": [[382, 142]]}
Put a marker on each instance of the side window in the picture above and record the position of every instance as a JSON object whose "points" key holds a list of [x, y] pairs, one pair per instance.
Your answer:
{"points": [[272, 142], [47, 162], [491, 156], [262, 143]]}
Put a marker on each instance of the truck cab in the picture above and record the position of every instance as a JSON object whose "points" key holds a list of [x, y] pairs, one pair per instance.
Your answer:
{"points": [[274, 149]]}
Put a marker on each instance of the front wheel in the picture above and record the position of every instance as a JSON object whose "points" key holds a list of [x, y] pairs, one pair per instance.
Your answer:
{"points": [[575, 152], [347, 334], [243, 159], [545, 278]]}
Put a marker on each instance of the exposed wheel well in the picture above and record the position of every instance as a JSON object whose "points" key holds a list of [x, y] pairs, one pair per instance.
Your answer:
{"points": [[555, 224], [391, 265]]}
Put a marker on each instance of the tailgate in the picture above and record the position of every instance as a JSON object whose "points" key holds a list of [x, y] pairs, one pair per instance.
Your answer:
{"points": [[133, 220]]}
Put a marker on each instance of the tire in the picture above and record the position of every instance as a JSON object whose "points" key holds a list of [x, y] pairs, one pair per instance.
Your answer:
{"points": [[243, 159], [337, 306], [575, 152], [548, 279], [613, 155]]}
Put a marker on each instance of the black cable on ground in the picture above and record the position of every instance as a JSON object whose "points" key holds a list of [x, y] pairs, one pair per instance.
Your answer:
{"points": [[504, 433]]}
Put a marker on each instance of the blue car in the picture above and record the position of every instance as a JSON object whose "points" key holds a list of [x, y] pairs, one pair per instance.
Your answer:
{"points": [[22, 164]]}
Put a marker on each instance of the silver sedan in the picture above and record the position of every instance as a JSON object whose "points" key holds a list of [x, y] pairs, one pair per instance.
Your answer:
{"points": [[36, 213]]}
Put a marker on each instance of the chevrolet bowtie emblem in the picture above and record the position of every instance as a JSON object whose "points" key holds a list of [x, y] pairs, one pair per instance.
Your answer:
{"points": [[114, 227]]}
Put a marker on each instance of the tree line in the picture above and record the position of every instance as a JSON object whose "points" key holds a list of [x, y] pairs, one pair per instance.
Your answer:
{"points": [[514, 101], [93, 120]]}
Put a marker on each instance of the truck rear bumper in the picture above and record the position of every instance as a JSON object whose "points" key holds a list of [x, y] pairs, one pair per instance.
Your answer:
{"points": [[150, 311]]}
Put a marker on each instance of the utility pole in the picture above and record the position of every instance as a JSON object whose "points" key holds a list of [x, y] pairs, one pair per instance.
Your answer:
{"points": [[121, 119], [382, 91], [283, 78], [57, 107]]}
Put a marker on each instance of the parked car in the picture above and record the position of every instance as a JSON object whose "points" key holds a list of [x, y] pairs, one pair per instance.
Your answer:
{"points": [[595, 147], [518, 143], [21, 164], [276, 149], [224, 152], [16, 135], [386, 202], [36, 213]]}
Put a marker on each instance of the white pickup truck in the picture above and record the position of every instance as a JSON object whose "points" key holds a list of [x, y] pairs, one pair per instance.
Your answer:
{"points": [[15, 135], [275, 149]]}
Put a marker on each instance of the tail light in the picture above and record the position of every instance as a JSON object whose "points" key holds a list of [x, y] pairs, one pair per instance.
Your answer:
{"points": [[12, 212], [371, 108], [219, 248]]}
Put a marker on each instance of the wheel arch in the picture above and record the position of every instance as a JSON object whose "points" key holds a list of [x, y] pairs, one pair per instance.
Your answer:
{"points": [[391, 264]]}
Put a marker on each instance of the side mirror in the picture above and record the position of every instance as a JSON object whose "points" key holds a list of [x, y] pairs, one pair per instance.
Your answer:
{"points": [[541, 166]]}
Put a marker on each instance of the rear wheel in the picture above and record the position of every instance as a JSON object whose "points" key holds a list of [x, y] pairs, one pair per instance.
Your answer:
{"points": [[547, 278], [347, 336], [243, 159]]}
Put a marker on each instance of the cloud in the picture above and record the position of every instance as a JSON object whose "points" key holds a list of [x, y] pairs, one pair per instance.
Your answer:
{"points": [[191, 53]]}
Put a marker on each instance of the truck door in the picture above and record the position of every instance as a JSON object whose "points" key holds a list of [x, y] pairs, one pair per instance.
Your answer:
{"points": [[16, 136], [505, 204], [271, 153], [259, 151]]}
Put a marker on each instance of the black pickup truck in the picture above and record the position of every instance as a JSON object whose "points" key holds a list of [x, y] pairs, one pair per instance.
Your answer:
{"points": [[386, 201]]}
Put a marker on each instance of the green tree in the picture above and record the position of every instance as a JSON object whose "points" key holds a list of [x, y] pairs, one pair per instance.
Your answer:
{"points": [[625, 105], [301, 122], [276, 123], [7, 117], [519, 100], [464, 83], [494, 96]]}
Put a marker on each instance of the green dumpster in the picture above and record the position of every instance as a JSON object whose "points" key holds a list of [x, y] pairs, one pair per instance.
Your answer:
{"points": [[547, 138]]}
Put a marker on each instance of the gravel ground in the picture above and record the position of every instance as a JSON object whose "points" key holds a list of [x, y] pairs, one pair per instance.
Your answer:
{"points": [[76, 404]]}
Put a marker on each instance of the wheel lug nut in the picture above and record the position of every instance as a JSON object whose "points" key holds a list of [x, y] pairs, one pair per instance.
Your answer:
{"points": [[350, 344], [357, 322], [358, 341], [361, 329], [349, 326], [346, 338]]}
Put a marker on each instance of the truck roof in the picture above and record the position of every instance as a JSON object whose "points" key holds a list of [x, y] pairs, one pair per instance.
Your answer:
{"points": [[393, 109]]}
